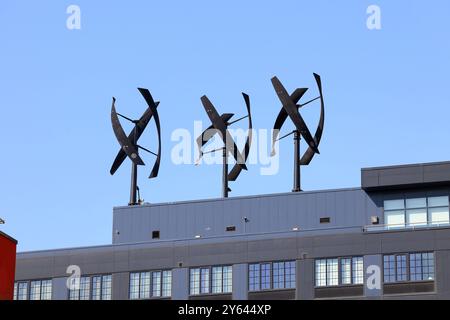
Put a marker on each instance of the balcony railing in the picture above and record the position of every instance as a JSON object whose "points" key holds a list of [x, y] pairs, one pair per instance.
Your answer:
{"points": [[406, 226]]}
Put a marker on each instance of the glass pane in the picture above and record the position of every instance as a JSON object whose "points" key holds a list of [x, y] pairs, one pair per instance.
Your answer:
{"points": [[278, 275], [144, 286], [401, 268], [290, 274], [195, 281], [346, 267], [358, 271], [428, 266], [15, 291], [439, 215], [167, 283], [253, 277], [394, 219], [216, 280], [46, 290], [227, 279], [389, 268], [394, 204], [265, 276], [106, 287], [96, 288], [332, 272], [204, 280], [438, 201], [416, 203], [321, 273], [156, 284], [415, 267], [85, 288], [134, 286], [35, 290], [416, 217]]}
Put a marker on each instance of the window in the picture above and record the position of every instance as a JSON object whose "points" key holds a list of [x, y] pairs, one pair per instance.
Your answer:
{"points": [[401, 267], [357, 270], [40, 290], [421, 267], [156, 281], [332, 272], [416, 212], [217, 279], [321, 273], [253, 277], [20, 290], [221, 279], [194, 281], [106, 287], [346, 271], [84, 291], [92, 288], [267, 275], [139, 285], [160, 283], [166, 283], [339, 271], [101, 287]]}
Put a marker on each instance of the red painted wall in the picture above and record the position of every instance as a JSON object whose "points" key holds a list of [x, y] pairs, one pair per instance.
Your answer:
{"points": [[7, 266]]}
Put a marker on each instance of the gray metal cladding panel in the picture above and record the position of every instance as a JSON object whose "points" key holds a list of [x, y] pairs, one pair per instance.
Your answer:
{"points": [[155, 258], [272, 249], [334, 292], [204, 252], [415, 175], [402, 288], [401, 176], [265, 214], [272, 295], [216, 254], [212, 297], [436, 173]]}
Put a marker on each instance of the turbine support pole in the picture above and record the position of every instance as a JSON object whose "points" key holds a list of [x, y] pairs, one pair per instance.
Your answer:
{"points": [[224, 173], [133, 188], [297, 183], [134, 171]]}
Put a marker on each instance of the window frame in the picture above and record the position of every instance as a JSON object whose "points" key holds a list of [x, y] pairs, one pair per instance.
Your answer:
{"points": [[428, 208], [339, 272], [27, 284], [271, 275], [210, 280], [408, 267], [151, 284], [91, 288]]}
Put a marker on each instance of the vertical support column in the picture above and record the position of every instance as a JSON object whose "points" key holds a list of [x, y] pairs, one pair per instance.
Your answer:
{"points": [[120, 286], [373, 283], [297, 183], [59, 289], [240, 281], [441, 276], [180, 284], [133, 187], [225, 173], [304, 279]]}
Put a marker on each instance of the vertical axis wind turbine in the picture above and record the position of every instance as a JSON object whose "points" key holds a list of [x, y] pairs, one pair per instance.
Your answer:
{"points": [[290, 108], [129, 146], [220, 124]]}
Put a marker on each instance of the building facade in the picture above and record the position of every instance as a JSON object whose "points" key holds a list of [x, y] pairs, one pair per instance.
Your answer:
{"points": [[7, 266], [388, 239]]}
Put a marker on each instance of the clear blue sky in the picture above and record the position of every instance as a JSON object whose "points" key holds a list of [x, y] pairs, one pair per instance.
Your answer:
{"points": [[386, 92]]}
